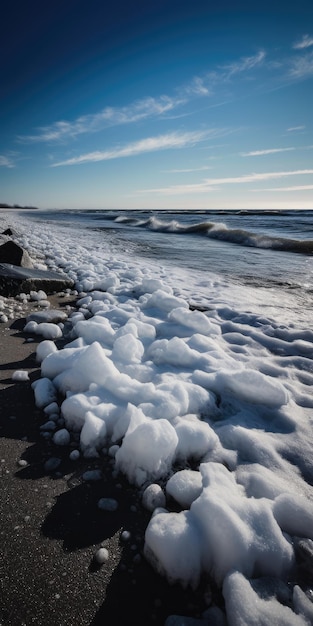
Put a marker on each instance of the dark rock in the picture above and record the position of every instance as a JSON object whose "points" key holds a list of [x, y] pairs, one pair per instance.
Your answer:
{"points": [[8, 232], [14, 280], [11, 253], [52, 464]]}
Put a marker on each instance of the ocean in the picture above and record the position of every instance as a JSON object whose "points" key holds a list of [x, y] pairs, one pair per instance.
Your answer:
{"points": [[270, 251]]}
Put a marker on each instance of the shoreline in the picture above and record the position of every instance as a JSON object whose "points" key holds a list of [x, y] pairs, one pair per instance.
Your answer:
{"points": [[51, 527], [228, 386]]}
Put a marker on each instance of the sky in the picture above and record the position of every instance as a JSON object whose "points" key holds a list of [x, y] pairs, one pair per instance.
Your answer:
{"points": [[157, 104]]}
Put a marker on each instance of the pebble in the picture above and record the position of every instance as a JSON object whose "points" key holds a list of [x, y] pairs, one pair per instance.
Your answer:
{"points": [[101, 556], [74, 456], [22, 463], [92, 475], [125, 536], [107, 504], [52, 464]]}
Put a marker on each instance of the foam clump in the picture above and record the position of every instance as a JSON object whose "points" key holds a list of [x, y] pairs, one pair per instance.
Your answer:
{"points": [[252, 386], [237, 533], [173, 547], [164, 301], [294, 515], [93, 434], [48, 330], [195, 438], [50, 315], [196, 320], [97, 329], [38, 295], [20, 376], [245, 607], [302, 605], [45, 348], [148, 451], [45, 392], [185, 486]]}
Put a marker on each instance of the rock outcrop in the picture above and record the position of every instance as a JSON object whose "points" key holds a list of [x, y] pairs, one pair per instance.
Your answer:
{"points": [[13, 254], [17, 272], [15, 280]]}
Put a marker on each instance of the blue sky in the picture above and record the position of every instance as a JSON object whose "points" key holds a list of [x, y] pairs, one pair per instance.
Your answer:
{"points": [[157, 104]]}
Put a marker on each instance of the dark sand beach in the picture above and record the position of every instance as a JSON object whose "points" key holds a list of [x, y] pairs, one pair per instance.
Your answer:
{"points": [[51, 526]]}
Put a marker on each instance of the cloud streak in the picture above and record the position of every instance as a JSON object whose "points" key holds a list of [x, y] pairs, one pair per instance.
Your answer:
{"points": [[264, 152], [6, 162], [186, 170], [145, 108], [301, 67], [149, 144], [292, 188], [305, 42], [212, 184], [293, 129], [109, 116], [204, 85], [243, 65]]}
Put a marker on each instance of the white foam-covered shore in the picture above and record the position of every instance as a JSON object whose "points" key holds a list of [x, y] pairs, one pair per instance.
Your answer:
{"points": [[213, 407]]}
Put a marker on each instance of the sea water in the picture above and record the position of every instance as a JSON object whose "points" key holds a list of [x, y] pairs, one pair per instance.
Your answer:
{"points": [[270, 251]]}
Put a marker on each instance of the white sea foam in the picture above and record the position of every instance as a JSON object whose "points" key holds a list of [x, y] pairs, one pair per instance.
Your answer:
{"points": [[227, 389]]}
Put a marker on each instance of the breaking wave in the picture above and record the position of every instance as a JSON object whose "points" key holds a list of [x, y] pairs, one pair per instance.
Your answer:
{"points": [[221, 232]]}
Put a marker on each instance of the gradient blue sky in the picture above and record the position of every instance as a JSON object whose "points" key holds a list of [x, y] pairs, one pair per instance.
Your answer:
{"points": [[157, 104]]}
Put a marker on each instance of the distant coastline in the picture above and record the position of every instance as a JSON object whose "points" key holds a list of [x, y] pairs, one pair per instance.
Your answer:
{"points": [[4, 205]]}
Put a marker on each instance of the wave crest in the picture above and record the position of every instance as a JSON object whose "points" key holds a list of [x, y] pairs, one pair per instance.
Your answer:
{"points": [[221, 232]]}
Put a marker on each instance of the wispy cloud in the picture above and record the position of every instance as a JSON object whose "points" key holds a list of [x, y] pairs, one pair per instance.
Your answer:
{"points": [[6, 161], [263, 152], [197, 86], [243, 65], [192, 169], [145, 108], [109, 116], [208, 83], [295, 128], [305, 42], [301, 67], [292, 188], [212, 184], [149, 144]]}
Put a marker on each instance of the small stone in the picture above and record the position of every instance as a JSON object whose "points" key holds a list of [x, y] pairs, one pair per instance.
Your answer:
{"points": [[101, 556], [74, 456], [50, 425], [91, 475], [22, 463], [52, 464], [107, 504], [125, 536], [137, 559], [62, 437], [153, 497]]}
